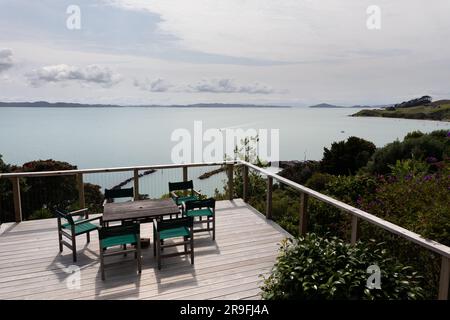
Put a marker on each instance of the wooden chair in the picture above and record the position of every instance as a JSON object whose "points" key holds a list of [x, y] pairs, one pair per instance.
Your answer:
{"points": [[202, 209], [70, 228], [111, 194], [189, 193], [120, 236], [173, 228]]}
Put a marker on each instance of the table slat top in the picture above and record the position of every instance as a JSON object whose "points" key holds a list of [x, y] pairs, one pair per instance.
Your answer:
{"points": [[116, 211]]}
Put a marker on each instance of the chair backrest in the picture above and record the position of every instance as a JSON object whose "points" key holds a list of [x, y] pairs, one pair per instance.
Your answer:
{"points": [[200, 204], [175, 223], [182, 185], [63, 215], [119, 193], [106, 232]]}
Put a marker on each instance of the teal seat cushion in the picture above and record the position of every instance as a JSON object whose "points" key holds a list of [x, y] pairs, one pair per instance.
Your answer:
{"points": [[207, 212], [173, 233], [118, 240], [181, 200], [81, 228]]}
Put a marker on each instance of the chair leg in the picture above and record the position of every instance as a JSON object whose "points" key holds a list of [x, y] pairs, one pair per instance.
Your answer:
{"points": [[60, 240], [74, 248], [192, 248], [154, 242], [102, 264], [158, 253], [125, 248], [139, 256], [88, 237], [214, 228], [185, 245]]}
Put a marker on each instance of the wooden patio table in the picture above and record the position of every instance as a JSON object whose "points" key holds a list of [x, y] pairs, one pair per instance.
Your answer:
{"points": [[140, 210]]}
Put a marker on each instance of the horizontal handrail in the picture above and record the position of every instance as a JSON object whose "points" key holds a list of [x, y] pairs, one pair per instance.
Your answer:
{"points": [[114, 169], [391, 227], [432, 245]]}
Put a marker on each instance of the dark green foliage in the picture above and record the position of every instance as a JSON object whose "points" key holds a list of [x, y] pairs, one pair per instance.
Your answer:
{"points": [[93, 197], [319, 180], [347, 157], [40, 195], [301, 172], [54, 191], [414, 146], [6, 205], [313, 267]]}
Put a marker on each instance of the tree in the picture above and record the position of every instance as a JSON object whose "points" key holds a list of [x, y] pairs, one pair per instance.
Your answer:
{"points": [[41, 195], [346, 157]]}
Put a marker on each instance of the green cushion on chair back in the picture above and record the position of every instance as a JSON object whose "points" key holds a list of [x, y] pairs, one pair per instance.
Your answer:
{"points": [[106, 232], [175, 223]]}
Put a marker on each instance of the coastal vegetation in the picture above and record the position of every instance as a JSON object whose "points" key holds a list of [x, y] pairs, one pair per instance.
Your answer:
{"points": [[405, 182], [420, 108]]}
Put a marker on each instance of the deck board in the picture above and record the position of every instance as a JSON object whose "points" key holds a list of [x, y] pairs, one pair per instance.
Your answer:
{"points": [[245, 249]]}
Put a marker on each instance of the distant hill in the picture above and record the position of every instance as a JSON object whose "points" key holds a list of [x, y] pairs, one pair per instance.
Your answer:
{"points": [[427, 110], [326, 105], [331, 106], [44, 104]]}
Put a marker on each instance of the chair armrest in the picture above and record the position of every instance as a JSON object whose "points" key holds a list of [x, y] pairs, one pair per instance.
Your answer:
{"points": [[174, 195], [88, 220], [78, 212], [197, 192], [104, 202]]}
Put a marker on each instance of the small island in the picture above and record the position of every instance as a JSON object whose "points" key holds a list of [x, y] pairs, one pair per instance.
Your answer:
{"points": [[420, 108]]}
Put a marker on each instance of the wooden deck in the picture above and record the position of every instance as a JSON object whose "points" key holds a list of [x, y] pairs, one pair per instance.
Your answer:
{"points": [[31, 266]]}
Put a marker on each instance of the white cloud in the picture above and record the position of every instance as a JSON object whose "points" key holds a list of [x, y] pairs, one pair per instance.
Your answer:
{"points": [[158, 85], [63, 73], [229, 86], [6, 61], [298, 30]]}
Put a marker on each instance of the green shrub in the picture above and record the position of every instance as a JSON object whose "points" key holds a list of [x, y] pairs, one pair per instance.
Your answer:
{"points": [[313, 268], [414, 146], [43, 213], [318, 181], [347, 157]]}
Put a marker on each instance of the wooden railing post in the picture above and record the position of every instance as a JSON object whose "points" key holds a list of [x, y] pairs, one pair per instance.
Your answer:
{"points": [[269, 197], [303, 221], [444, 279], [80, 184], [185, 173], [230, 168], [245, 183], [17, 201], [136, 184], [355, 229]]}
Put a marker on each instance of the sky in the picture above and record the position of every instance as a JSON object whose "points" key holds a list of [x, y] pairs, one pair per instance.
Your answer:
{"points": [[272, 52]]}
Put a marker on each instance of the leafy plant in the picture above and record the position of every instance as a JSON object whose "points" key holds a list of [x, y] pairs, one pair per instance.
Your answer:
{"points": [[346, 157], [313, 267]]}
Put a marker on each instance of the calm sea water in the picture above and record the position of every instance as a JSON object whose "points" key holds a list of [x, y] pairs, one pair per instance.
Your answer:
{"points": [[95, 137]]}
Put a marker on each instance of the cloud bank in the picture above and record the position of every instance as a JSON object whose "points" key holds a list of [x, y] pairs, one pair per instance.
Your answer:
{"points": [[158, 85], [6, 61], [63, 73], [229, 86]]}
